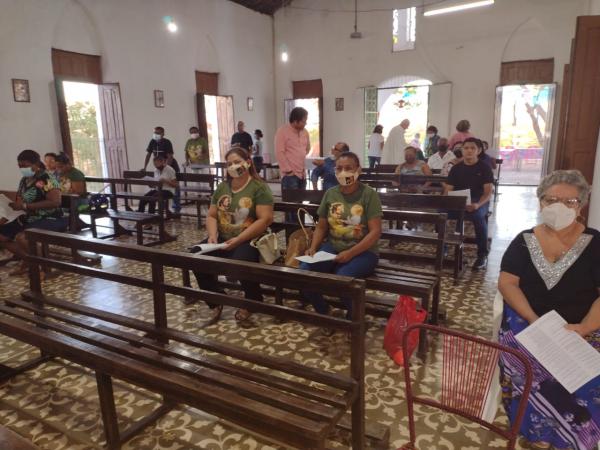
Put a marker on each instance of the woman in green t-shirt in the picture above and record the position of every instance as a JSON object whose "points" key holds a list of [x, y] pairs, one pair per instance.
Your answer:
{"points": [[240, 210], [350, 219]]}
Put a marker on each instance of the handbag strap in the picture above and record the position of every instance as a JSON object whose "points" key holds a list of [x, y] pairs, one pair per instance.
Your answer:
{"points": [[301, 222]]}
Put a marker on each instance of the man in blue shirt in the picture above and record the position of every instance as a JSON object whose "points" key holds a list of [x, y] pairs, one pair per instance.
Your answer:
{"points": [[326, 168]]}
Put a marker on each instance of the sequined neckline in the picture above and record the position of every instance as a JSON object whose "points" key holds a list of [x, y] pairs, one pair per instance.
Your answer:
{"points": [[550, 272]]}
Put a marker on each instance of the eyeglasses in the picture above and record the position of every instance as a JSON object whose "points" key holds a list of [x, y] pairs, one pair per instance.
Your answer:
{"points": [[568, 202]]}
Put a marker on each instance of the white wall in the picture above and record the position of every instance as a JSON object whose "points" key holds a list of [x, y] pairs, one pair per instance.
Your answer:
{"points": [[464, 48], [138, 52]]}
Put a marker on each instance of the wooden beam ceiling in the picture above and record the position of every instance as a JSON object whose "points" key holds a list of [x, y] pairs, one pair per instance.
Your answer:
{"points": [[263, 6]]}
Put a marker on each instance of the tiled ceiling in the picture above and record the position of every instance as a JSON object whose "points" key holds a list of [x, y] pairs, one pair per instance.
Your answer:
{"points": [[263, 6]]}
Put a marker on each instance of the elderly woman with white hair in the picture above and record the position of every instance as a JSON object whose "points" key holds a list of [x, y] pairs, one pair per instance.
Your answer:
{"points": [[554, 266]]}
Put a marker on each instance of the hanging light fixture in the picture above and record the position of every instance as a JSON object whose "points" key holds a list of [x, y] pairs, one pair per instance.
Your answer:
{"points": [[457, 7]]}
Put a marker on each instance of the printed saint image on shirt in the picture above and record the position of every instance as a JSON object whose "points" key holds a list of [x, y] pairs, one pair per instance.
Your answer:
{"points": [[346, 225], [234, 217]]}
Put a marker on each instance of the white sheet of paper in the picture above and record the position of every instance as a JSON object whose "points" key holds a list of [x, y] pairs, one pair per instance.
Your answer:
{"points": [[207, 248], [462, 193], [317, 257], [567, 356], [6, 211]]}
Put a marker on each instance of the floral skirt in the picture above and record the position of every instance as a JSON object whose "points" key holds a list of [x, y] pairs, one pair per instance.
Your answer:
{"points": [[567, 421]]}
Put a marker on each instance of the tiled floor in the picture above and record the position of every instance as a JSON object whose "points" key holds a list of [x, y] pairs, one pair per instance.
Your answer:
{"points": [[56, 407]]}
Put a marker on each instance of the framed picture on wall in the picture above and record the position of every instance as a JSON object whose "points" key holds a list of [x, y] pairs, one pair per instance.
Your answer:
{"points": [[159, 99], [339, 103], [21, 90], [250, 103]]}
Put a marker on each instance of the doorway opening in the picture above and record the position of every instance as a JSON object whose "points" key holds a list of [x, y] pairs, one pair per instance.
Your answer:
{"points": [[219, 125], [313, 124], [406, 102], [522, 131], [82, 101]]}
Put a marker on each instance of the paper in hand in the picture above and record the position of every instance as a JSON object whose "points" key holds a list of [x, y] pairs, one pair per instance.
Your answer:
{"points": [[200, 249], [6, 212], [565, 354], [317, 257], [461, 193]]}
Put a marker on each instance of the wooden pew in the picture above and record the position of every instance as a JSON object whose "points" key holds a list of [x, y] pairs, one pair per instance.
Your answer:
{"points": [[410, 202], [289, 402], [389, 276], [199, 193], [140, 219]]}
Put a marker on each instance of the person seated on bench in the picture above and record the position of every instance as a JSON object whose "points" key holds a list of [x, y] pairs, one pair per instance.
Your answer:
{"points": [[474, 174], [72, 180], [350, 219], [483, 156], [439, 159], [39, 196], [168, 179], [241, 209], [458, 157], [411, 166], [326, 167]]}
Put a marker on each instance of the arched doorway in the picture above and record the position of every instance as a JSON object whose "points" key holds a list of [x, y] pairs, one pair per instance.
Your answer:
{"points": [[396, 99]]}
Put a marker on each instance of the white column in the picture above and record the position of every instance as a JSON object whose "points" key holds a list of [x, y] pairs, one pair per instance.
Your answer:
{"points": [[594, 218]]}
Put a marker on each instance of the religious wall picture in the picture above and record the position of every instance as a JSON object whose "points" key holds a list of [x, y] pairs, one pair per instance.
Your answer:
{"points": [[21, 90], [159, 99], [339, 103], [250, 103]]}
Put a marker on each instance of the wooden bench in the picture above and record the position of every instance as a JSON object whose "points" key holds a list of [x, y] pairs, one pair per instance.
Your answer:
{"points": [[389, 276], [199, 193], [138, 218], [279, 398], [410, 202]]}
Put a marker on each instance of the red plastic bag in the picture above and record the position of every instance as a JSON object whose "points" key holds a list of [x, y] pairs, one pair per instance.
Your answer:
{"points": [[405, 313]]}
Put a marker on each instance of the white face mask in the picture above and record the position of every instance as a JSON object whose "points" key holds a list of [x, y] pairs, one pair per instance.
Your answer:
{"points": [[194, 135], [237, 170], [346, 178], [156, 137], [558, 216]]}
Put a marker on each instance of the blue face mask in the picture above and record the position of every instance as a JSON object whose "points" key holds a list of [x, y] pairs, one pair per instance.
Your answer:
{"points": [[27, 172]]}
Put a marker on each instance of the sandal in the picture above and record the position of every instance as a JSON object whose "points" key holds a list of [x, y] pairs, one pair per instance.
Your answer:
{"points": [[241, 315], [540, 445]]}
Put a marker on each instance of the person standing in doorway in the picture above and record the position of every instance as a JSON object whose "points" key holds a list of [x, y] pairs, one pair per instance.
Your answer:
{"points": [[292, 144], [257, 157], [393, 149], [160, 145], [242, 138], [375, 146]]}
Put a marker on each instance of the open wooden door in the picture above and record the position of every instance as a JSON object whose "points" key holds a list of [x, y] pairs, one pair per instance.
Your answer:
{"points": [[580, 111], [113, 130], [63, 117], [225, 122]]}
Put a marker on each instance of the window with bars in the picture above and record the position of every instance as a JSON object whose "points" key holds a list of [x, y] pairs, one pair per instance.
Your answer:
{"points": [[404, 29]]}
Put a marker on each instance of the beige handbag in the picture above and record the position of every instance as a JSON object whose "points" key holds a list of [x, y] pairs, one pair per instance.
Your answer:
{"points": [[267, 246], [299, 241]]}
